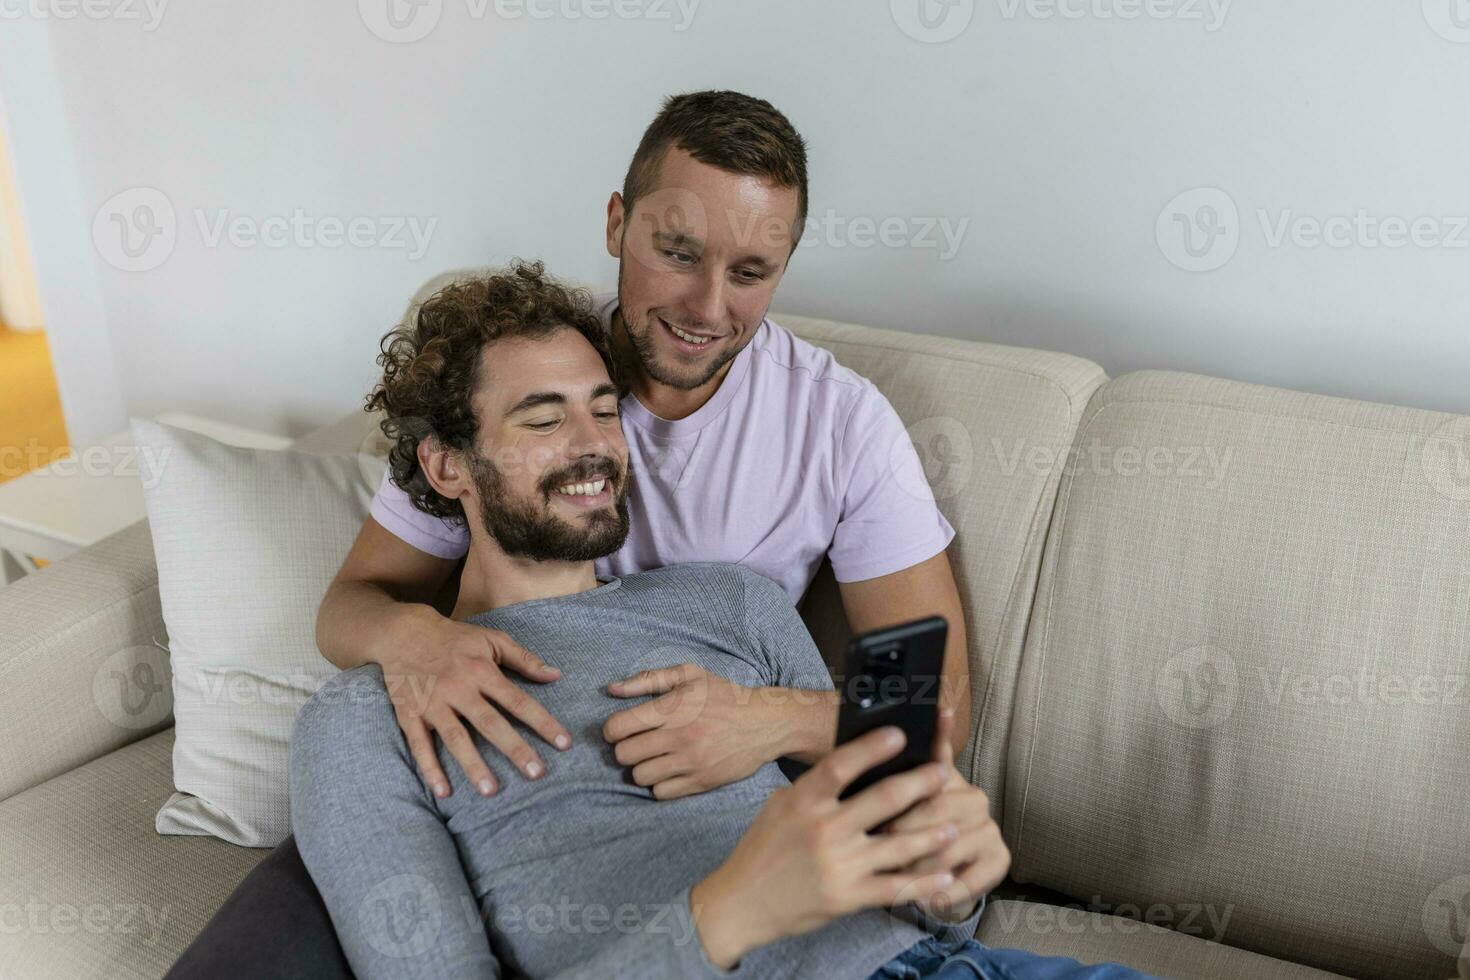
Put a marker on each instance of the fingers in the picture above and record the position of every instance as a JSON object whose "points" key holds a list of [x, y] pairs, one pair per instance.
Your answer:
{"points": [[830, 776], [421, 744], [943, 738], [655, 681], [462, 748], [897, 888], [509, 653], [894, 852], [498, 732], [890, 797], [523, 706], [643, 747]]}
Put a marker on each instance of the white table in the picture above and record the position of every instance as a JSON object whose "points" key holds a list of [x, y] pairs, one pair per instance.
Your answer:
{"points": [[94, 492]]}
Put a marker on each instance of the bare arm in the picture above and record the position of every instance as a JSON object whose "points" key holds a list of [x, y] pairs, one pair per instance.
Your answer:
{"points": [[384, 588], [925, 589], [381, 608]]}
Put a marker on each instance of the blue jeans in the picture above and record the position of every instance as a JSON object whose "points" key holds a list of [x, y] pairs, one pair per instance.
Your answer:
{"points": [[973, 961]]}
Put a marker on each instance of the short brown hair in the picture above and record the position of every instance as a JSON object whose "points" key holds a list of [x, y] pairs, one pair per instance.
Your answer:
{"points": [[431, 366], [734, 132]]}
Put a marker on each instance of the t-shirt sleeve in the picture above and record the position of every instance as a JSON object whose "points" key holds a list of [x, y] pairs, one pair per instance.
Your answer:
{"points": [[889, 520], [432, 535], [780, 638]]}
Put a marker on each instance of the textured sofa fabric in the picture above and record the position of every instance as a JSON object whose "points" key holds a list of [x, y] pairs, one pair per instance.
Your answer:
{"points": [[89, 888], [1243, 687]]}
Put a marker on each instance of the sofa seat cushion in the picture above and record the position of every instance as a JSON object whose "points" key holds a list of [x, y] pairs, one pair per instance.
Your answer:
{"points": [[1096, 937], [89, 888]]}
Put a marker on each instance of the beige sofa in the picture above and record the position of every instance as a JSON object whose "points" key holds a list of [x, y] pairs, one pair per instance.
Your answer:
{"points": [[1218, 635]]}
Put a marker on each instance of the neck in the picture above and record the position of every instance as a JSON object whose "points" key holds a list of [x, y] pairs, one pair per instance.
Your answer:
{"points": [[665, 401], [491, 578]]}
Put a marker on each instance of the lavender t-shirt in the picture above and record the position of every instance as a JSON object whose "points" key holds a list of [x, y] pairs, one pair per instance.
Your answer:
{"points": [[793, 458]]}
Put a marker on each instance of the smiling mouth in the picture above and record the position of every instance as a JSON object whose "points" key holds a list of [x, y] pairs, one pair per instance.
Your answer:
{"points": [[688, 340]]}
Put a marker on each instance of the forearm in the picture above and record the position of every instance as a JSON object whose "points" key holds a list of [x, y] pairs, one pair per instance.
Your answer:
{"points": [[360, 623]]}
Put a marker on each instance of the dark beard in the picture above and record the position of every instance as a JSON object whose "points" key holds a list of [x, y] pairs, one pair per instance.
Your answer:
{"points": [[524, 530]]}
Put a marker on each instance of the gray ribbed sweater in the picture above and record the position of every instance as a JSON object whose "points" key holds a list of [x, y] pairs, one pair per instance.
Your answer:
{"points": [[581, 873]]}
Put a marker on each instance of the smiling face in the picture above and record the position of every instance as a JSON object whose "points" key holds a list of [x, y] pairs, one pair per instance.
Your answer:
{"points": [[548, 476], [700, 256]]}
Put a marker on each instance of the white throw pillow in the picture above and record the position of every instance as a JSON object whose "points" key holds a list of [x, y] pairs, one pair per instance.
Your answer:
{"points": [[246, 542]]}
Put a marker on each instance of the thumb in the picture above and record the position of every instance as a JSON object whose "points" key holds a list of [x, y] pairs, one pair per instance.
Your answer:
{"points": [[655, 681]]}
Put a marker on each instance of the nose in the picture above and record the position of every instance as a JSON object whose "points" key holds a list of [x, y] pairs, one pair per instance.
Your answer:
{"points": [[588, 437], [706, 300]]}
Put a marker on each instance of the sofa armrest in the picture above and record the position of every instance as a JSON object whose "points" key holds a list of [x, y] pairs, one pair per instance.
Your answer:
{"points": [[83, 660]]}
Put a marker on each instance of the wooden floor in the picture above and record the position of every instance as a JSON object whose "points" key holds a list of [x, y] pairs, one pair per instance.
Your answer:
{"points": [[30, 407]]}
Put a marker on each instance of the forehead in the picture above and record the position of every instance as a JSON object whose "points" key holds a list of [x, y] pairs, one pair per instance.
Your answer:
{"points": [[514, 367], [715, 204]]}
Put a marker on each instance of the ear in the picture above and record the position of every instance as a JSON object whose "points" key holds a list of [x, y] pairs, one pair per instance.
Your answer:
{"points": [[444, 468], [615, 219]]}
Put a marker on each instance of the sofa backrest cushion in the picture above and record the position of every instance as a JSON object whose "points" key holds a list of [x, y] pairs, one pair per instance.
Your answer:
{"points": [[1243, 700]]}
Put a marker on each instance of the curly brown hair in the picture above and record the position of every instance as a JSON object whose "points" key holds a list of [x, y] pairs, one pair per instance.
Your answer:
{"points": [[431, 366]]}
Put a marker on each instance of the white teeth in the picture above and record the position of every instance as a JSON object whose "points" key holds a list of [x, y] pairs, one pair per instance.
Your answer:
{"points": [[583, 489], [688, 336]]}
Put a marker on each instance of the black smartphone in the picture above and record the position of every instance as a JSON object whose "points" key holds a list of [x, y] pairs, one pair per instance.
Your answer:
{"points": [[891, 676]]}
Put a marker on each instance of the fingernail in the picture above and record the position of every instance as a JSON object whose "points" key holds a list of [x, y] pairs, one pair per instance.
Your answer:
{"points": [[562, 741], [487, 787], [944, 880], [892, 736], [533, 769], [441, 790], [950, 832]]}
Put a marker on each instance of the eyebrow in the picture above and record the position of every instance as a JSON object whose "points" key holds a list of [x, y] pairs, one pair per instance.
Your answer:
{"points": [[538, 398]]}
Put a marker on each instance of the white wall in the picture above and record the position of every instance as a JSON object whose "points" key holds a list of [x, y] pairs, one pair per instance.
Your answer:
{"points": [[1054, 143]]}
